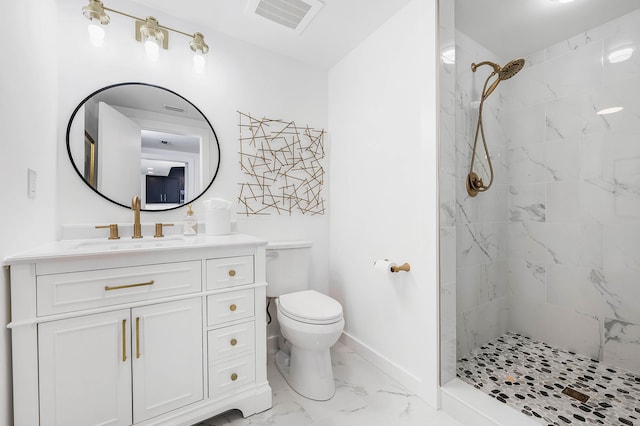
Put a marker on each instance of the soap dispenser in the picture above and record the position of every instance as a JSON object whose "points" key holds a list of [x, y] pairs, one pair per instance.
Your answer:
{"points": [[190, 226]]}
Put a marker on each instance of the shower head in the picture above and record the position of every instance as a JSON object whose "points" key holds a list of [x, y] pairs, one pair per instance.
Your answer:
{"points": [[474, 182], [510, 69]]}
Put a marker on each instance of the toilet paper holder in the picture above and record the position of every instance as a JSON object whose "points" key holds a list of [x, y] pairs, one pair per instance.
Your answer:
{"points": [[392, 267], [404, 267]]}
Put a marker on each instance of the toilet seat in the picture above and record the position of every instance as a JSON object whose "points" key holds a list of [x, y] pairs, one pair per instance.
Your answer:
{"points": [[310, 307]]}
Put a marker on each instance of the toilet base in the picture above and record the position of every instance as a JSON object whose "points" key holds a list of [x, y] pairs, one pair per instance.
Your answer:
{"points": [[308, 372]]}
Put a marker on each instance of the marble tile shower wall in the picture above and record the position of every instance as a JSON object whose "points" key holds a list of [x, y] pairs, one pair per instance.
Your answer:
{"points": [[481, 223], [447, 183], [552, 250], [574, 196]]}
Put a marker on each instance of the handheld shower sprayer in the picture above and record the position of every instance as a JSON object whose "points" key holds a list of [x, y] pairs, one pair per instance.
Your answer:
{"points": [[474, 182]]}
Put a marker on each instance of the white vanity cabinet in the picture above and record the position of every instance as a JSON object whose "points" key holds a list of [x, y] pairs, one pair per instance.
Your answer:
{"points": [[139, 334], [74, 355], [149, 356]]}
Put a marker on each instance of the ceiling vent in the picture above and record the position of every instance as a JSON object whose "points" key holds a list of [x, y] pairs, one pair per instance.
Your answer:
{"points": [[292, 14], [173, 108]]}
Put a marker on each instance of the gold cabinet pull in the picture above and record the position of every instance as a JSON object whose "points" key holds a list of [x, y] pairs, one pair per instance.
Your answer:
{"points": [[234, 377], [233, 307], [232, 273], [137, 337], [124, 340], [118, 287], [233, 342]]}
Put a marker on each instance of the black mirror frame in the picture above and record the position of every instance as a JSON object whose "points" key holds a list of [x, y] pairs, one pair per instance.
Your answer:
{"points": [[75, 111]]}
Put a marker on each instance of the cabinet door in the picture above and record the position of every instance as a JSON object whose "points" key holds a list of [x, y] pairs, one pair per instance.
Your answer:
{"points": [[154, 189], [162, 189], [85, 370], [167, 357], [171, 190]]}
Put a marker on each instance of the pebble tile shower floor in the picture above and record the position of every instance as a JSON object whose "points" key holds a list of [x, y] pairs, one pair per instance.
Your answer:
{"points": [[530, 377]]}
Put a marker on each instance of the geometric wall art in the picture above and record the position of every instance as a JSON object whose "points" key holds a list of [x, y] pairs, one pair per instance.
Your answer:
{"points": [[282, 167]]}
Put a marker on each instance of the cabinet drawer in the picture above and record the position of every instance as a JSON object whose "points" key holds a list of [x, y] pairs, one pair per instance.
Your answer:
{"points": [[74, 291], [231, 341], [229, 271], [231, 375], [231, 306]]}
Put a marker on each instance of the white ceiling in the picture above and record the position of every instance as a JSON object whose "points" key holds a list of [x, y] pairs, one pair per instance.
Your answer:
{"points": [[339, 26], [510, 28], [516, 28]]}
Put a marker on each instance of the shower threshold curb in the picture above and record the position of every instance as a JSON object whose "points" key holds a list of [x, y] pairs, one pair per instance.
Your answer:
{"points": [[473, 407]]}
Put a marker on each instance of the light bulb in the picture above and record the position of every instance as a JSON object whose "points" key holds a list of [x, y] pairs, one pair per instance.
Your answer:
{"points": [[96, 33], [199, 62], [620, 55], [152, 48], [449, 55], [612, 110]]}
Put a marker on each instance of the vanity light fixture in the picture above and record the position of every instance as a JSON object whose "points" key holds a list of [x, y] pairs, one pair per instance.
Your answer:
{"points": [[95, 13], [152, 36], [147, 31], [200, 48]]}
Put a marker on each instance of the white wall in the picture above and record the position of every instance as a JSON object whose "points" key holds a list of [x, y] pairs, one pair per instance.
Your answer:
{"points": [[28, 110], [382, 117], [238, 77]]}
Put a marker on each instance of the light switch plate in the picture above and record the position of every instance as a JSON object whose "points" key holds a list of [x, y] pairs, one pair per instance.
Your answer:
{"points": [[31, 183]]}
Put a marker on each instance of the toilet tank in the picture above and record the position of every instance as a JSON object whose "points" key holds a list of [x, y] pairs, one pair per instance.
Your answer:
{"points": [[287, 267]]}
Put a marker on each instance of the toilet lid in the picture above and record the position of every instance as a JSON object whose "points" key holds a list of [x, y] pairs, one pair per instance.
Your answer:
{"points": [[310, 307]]}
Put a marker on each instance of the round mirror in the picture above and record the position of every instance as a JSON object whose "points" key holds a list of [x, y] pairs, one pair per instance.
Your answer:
{"points": [[133, 139]]}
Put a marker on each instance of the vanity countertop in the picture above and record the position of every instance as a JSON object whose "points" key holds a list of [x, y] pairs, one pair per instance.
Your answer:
{"points": [[70, 249]]}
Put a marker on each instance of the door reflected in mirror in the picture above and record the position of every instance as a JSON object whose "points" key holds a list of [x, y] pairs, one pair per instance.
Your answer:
{"points": [[138, 139]]}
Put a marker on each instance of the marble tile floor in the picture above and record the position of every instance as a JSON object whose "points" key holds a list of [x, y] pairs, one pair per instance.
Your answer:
{"points": [[364, 397], [532, 377]]}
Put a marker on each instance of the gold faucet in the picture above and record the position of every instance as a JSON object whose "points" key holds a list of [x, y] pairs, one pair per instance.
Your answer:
{"points": [[135, 206]]}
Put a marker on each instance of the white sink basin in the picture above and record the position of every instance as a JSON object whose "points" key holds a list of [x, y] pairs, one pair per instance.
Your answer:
{"points": [[127, 242]]}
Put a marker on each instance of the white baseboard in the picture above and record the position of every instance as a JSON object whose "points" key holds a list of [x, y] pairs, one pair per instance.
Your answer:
{"points": [[406, 379]]}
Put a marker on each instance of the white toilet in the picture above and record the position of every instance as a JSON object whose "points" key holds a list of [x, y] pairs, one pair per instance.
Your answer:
{"points": [[310, 322]]}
